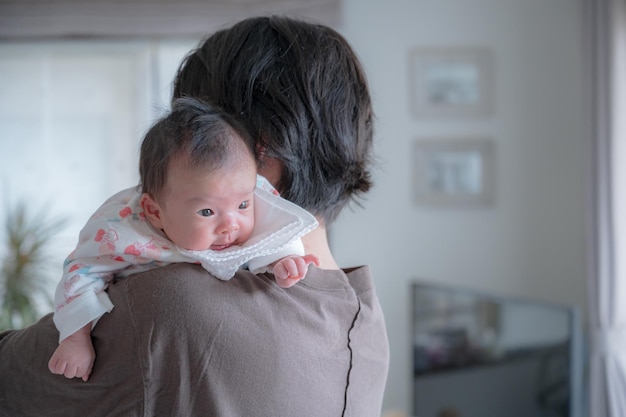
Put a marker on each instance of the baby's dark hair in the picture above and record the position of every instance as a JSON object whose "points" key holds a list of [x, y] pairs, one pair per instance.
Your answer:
{"points": [[301, 92], [198, 131]]}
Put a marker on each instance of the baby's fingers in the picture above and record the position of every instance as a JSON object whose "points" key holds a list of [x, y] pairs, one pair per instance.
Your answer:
{"points": [[56, 366], [289, 268], [311, 259], [71, 371], [87, 374], [297, 267]]}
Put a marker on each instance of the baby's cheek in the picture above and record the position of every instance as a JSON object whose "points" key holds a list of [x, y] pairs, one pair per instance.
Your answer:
{"points": [[195, 239], [249, 230], [246, 226]]}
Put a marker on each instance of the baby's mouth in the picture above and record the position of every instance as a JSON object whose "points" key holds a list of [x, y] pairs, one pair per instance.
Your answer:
{"points": [[220, 247]]}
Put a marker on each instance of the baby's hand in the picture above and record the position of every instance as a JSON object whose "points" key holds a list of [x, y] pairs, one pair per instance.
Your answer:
{"points": [[74, 357], [291, 269]]}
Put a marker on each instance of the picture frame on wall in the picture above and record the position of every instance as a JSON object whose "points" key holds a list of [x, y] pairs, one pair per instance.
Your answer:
{"points": [[452, 82], [453, 172]]}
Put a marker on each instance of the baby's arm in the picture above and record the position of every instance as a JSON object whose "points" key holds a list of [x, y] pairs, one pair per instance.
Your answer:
{"points": [[291, 269], [80, 297], [289, 265], [74, 356]]}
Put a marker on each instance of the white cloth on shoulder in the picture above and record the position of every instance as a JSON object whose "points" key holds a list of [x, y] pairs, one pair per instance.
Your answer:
{"points": [[278, 226]]}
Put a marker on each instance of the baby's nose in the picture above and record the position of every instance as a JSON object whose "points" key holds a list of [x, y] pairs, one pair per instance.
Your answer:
{"points": [[229, 225]]}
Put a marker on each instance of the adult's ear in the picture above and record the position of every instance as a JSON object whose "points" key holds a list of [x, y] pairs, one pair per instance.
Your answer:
{"points": [[151, 210], [269, 167]]}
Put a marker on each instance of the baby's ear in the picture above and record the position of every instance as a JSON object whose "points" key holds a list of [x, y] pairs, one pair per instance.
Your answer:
{"points": [[151, 210]]}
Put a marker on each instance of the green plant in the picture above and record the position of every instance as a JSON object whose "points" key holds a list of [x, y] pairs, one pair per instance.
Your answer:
{"points": [[25, 265]]}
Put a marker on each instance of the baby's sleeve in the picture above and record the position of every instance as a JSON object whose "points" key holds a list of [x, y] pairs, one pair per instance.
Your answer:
{"points": [[80, 296], [262, 264]]}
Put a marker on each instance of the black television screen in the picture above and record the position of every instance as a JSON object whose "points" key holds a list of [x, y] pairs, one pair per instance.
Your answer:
{"points": [[478, 354]]}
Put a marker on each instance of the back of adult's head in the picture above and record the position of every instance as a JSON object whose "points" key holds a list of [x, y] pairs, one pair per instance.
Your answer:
{"points": [[299, 89]]}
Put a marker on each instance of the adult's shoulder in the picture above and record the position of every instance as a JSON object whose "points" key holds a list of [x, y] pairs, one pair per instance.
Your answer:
{"points": [[357, 279], [240, 340], [180, 289]]}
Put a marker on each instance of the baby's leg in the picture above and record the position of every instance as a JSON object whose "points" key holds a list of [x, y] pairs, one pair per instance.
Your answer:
{"points": [[74, 356]]}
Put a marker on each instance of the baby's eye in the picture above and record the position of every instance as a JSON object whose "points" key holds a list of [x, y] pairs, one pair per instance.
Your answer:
{"points": [[206, 212], [244, 205]]}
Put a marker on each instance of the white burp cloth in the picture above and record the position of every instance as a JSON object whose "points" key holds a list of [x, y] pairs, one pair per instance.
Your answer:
{"points": [[278, 223]]}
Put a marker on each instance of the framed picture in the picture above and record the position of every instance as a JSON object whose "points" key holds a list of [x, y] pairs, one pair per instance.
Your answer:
{"points": [[454, 172], [455, 82]]}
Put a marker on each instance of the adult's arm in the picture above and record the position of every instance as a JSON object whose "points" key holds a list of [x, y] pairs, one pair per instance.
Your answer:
{"points": [[180, 342]]}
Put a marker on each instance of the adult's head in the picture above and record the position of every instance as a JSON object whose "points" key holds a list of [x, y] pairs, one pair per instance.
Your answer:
{"points": [[300, 91]]}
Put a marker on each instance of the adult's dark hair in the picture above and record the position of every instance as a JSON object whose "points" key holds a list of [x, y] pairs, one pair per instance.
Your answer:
{"points": [[205, 135], [301, 92]]}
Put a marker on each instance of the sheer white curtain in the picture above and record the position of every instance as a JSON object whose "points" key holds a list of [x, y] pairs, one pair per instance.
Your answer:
{"points": [[607, 279]]}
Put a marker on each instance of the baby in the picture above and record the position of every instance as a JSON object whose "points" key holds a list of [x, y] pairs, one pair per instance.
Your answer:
{"points": [[201, 201]]}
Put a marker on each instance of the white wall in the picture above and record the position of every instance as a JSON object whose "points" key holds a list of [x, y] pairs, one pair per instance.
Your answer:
{"points": [[531, 242]]}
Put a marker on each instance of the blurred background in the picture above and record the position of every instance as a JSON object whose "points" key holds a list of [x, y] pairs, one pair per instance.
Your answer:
{"points": [[81, 81]]}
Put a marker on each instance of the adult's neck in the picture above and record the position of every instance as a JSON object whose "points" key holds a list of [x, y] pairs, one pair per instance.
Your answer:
{"points": [[316, 243]]}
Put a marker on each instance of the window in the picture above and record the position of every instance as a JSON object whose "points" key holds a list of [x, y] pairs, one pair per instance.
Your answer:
{"points": [[72, 115]]}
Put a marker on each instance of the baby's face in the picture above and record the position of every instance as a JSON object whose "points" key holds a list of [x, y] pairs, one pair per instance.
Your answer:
{"points": [[208, 210]]}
